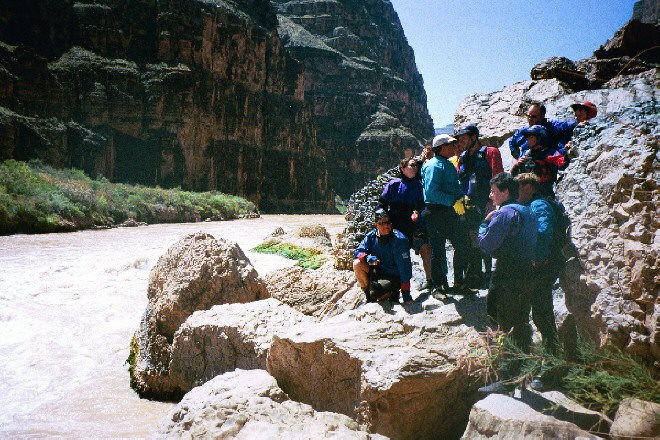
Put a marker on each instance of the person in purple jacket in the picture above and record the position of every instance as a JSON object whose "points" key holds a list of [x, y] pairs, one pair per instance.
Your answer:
{"points": [[403, 199], [509, 234]]}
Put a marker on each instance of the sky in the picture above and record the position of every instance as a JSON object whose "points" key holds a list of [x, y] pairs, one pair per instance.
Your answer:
{"points": [[474, 46]]}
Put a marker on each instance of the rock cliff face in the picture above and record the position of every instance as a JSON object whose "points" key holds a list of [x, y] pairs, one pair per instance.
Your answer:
{"points": [[205, 95], [367, 98]]}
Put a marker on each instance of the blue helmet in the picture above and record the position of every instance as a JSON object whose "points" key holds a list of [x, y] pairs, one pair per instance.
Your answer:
{"points": [[537, 131]]}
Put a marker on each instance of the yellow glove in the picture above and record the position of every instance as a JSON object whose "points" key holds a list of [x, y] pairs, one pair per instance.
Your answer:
{"points": [[459, 206]]}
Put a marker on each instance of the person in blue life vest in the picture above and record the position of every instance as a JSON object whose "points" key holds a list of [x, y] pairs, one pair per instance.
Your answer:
{"points": [[546, 265], [540, 159], [477, 164], [442, 190], [382, 263], [403, 199], [558, 133], [509, 234]]}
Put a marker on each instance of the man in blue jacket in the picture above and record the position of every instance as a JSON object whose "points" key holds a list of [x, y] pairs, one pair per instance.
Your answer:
{"points": [[509, 234], [441, 191], [544, 271], [382, 264], [558, 132]]}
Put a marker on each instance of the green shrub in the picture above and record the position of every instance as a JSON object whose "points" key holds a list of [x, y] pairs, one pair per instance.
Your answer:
{"points": [[35, 197], [307, 258]]}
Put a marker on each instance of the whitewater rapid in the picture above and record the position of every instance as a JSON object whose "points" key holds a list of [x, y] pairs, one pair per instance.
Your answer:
{"points": [[69, 304]]}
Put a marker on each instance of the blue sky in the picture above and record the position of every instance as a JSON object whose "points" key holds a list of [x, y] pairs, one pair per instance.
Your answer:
{"points": [[469, 46]]}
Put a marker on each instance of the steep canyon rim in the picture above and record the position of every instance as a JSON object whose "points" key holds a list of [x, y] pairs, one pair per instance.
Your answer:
{"points": [[69, 304]]}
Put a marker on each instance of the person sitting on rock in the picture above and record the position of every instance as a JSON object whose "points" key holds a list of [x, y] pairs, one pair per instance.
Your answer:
{"points": [[382, 263], [403, 199], [558, 133], [477, 164], [442, 190], [540, 159], [509, 234], [545, 269]]}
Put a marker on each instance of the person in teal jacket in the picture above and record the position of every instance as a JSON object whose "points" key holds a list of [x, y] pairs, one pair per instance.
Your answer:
{"points": [[441, 191]]}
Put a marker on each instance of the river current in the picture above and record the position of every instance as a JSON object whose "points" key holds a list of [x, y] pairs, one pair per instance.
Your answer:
{"points": [[69, 304]]}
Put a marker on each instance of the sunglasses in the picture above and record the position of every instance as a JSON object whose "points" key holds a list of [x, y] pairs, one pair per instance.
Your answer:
{"points": [[533, 116], [389, 222]]}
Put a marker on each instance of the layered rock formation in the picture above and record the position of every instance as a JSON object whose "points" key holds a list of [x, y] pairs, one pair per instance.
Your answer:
{"points": [[367, 98], [205, 95]]}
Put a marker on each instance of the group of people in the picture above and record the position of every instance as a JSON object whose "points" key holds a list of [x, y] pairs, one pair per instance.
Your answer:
{"points": [[457, 191]]}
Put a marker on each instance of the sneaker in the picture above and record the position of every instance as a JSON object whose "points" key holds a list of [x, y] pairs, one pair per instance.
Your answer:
{"points": [[499, 387], [426, 285], [439, 294]]}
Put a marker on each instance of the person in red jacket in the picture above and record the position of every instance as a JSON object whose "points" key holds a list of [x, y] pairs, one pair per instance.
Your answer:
{"points": [[541, 160]]}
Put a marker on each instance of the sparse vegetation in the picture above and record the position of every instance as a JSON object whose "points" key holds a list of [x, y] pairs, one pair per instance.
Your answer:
{"points": [[597, 378], [37, 198], [307, 258]]}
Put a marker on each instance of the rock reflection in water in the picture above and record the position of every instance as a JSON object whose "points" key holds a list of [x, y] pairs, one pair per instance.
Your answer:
{"points": [[69, 304]]}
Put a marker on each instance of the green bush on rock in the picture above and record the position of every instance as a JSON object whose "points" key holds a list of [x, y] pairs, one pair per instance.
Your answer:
{"points": [[37, 198]]}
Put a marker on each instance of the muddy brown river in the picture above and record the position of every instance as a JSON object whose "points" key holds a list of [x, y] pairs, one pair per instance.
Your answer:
{"points": [[69, 304]]}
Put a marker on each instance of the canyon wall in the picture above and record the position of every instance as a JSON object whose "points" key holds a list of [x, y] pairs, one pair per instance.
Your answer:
{"points": [[206, 95]]}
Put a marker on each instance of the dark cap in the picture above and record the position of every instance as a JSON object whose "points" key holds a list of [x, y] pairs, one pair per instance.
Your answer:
{"points": [[470, 129], [380, 213]]}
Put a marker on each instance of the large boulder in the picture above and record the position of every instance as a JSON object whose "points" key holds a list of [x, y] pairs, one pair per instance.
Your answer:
{"points": [[320, 293], [227, 337], [505, 418], [250, 405], [636, 419], [611, 192], [398, 373], [195, 273]]}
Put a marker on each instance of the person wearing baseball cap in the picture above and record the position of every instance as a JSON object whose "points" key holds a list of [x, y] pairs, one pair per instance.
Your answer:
{"points": [[382, 264], [441, 191]]}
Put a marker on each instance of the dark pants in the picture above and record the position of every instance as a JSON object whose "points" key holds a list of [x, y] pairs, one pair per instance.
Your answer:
{"points": [[510, 300], [442, 224], [542, 307]]}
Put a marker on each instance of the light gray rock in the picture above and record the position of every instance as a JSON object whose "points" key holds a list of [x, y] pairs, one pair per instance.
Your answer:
{"points": [[195, 273], [249, 405], [505, 418], [559, 406], [610, 191], [320, 293], [310, 237], [399, 373], [636, 418], [227, 337]]}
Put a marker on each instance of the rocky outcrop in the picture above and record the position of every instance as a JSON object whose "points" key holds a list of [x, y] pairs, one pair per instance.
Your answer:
{"points": [[636, 419], [398, 374], [227, 337], [196, 273], [249, 404], [502, 417], [367, 98], [320, 293], [612, 195]]}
